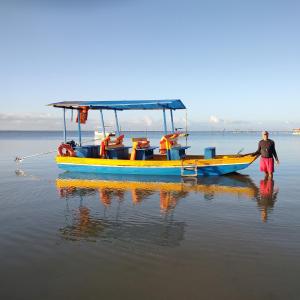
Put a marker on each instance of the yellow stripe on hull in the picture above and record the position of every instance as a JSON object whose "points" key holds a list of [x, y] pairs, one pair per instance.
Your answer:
{"points": [[219, 160]]}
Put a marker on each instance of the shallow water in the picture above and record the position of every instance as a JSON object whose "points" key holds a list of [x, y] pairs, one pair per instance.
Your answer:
{"points": [[78, 236]]}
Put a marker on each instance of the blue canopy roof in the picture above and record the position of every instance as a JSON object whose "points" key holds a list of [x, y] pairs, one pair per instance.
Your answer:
{"points": [[123, 104]]}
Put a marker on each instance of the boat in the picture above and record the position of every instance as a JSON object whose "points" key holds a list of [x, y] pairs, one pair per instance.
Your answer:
{"points": [[296, 131], [169, 158]]}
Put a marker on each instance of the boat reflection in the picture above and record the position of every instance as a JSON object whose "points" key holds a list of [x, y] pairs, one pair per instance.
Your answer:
{"points": [[170, 191], [113, 190], [83, 226]]}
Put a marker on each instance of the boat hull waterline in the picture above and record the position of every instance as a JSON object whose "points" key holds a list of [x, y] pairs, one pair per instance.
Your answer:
{"points": [[211, 167]]}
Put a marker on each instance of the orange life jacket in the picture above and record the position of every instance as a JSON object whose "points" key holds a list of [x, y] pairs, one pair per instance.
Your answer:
{"points": [[107, 143], [103, 146], [167, 141], [118, 141], [83, 114], [138, 145]]}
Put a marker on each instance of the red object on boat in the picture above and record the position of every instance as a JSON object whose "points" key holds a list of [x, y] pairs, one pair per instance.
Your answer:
{"points": [[66, 150], [83, 114]]}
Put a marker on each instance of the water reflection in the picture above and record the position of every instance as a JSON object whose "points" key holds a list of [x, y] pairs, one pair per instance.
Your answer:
{"points": [[82, 226], [111, 189], [267, 197], [170, 192], [169, 199], [82, 223], [106, 195]]}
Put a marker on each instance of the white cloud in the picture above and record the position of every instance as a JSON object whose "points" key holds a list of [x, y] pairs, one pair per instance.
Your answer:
{"points": [[215, 120], [148, 121], [46, 121]]}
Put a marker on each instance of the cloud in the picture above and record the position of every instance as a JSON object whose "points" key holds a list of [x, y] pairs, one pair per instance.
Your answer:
{"points": [[46, 121], [23, 117], [148, 121], [13, 121], [215, 120]]}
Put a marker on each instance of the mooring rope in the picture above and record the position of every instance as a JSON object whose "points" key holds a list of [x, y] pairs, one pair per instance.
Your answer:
{"points": [[20, 159]]}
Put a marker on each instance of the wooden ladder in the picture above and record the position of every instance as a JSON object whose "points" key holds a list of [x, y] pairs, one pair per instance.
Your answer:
{"points": [[189, 170]]}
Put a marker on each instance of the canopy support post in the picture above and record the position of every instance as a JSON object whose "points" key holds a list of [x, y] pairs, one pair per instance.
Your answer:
{"points": [[102, 123], [79, 128], [65, 126], [117, 122], [172, 120], [166, 132], [165, 121]]}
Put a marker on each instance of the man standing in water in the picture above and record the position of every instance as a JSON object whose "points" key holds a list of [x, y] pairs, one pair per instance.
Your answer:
{"points": [[266, 148]]}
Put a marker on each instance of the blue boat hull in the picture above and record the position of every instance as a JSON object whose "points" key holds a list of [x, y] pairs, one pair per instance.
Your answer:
{"points": [[212, 170]]}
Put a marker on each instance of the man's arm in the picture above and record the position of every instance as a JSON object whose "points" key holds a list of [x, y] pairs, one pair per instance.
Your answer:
{"points": [[274, 152], [257, 152]]}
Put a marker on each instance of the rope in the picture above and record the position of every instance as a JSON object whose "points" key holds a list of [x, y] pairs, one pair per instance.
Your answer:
{"points": [[20, 159]]}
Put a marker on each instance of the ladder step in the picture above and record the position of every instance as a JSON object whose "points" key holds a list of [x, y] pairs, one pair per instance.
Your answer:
{"points": [[188, 168], [191, 168]]}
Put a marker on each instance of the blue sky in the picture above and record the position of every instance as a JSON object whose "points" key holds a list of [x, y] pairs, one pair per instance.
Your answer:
{"points": [[235, 64]]}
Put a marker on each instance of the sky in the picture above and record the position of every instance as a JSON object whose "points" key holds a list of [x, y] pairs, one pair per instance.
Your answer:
{"points": [[234, 63]]}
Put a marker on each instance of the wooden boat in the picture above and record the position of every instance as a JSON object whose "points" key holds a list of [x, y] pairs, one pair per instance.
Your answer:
{"points": [[113, 157]]}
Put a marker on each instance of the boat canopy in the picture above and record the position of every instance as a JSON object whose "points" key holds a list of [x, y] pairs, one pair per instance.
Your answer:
{"points": [[117, 105], [123, 104]]}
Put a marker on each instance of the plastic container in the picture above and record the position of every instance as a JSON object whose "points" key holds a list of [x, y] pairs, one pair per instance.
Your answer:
{"points": [[209, 152]]}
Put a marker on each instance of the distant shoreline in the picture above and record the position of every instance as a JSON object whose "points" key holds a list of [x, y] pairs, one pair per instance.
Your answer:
{"points": [[204, 131]]}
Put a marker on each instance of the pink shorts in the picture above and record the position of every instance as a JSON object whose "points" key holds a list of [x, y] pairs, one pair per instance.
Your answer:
{"points": [[266, 164]]}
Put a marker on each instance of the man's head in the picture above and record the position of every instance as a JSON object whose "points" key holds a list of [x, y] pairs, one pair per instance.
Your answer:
{"points": [[265, 135]]}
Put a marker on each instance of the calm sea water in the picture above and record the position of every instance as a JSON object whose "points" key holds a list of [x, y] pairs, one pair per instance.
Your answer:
{"points": [[75, 236]]}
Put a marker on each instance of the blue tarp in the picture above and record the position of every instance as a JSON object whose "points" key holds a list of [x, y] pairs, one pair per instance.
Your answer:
{"points": [[123, 104]]}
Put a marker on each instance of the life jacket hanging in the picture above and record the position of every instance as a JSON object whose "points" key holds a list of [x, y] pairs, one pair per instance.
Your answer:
{"points": [[83, 114]]}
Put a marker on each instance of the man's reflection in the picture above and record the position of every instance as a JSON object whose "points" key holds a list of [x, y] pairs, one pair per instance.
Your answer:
{"points": [[267, 197]]}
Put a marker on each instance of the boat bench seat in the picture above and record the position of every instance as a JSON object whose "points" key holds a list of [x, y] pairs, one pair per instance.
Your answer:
{"points": [[178, 152], [145, 153], [88, 151], [142, 149], [121, 152]]}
